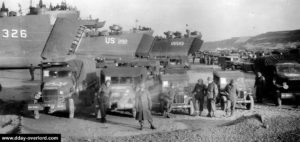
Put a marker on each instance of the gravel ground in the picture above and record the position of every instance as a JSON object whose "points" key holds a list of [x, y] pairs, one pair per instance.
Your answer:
{"points": [[266, 123]]}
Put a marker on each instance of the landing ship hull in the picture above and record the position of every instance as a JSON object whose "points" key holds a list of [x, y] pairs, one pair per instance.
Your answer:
{"points": [[22, 38], [124, 45], [175, 47]]}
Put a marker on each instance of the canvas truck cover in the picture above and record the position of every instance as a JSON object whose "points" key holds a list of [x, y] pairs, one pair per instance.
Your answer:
{"points": [[60, 39], [85, 70], [175, 47], [124, 71], [121, 45], [145, 46]]}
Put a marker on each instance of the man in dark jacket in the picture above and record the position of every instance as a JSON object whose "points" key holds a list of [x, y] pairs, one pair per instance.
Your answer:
{"points": [[212, 92], [260, 83], [31, 71], [231, 93], [199, 93]]}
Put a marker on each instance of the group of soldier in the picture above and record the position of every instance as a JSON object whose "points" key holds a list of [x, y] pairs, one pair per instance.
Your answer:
{"points": [[206, 59], [201, 91]]}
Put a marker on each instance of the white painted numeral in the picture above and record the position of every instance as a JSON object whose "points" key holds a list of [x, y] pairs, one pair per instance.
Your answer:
{"points": [[14, 33], [5, 33], [23, 33]]}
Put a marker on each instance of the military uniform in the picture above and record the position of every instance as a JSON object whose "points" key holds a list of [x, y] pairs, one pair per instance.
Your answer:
{"points": [[143, 107], [31, 71], [199, 91], [231, 92], [102, 99], [167, 100], [260, 88], [212, 92], [276, 91]]}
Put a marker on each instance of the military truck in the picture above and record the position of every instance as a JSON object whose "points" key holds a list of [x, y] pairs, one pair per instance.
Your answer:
{"points": [[287, 76], [229, 62], [123, 83], [244, 85], [180, 79], [61, 85]]}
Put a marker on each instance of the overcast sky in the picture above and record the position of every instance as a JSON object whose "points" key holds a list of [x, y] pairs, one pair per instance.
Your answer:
{"points": [[215, 19]]}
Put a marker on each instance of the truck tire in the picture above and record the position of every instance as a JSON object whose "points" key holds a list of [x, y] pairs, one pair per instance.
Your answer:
{"points": [[191, 108], [250, 105], [36, 114], [71, 108]]}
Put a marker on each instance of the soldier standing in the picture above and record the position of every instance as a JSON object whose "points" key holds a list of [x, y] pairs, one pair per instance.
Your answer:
{"points": [[103, 96], [276, 90], [167, 101], [212, 92], [231, 93], [199, 93], [31, 71], [260, 86], [143, 106]]}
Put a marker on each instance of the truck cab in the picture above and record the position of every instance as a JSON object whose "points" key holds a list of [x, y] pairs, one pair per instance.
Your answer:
{"points": [[57, 91], [287, 75], [63, 83], [123, 83]]}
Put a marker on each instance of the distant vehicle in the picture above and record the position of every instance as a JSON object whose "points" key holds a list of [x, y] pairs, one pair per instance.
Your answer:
{"points": [[287, 75], [123, 84], [183, 97], [245, 95], [61, 84], [229, 62], [175, 50]]}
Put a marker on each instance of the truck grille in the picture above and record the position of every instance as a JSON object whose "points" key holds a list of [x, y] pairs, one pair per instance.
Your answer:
{"points": [[179, 99], [50, 96]]}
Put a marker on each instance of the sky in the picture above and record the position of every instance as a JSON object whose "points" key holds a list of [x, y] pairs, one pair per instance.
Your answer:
{"points": [[215, 19]]}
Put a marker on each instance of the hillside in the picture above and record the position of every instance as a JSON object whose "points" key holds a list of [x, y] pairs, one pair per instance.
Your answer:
{"points": [[278, 39]]}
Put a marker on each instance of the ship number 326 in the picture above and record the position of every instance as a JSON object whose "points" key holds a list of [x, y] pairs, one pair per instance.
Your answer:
{"points": [[14, 33]]}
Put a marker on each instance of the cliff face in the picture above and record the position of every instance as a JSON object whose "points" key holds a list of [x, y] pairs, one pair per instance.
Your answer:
{"points": [[278, 39]]}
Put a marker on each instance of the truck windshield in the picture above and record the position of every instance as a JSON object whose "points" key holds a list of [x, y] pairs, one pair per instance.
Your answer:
{"points": [[122, 80], [59, 73], [289, 69]]}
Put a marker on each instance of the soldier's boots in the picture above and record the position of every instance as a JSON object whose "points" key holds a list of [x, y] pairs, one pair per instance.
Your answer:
{"points": [[232, 113], [103, 120], [213, 115], [208, 115], [200, 113], [152, 126]]}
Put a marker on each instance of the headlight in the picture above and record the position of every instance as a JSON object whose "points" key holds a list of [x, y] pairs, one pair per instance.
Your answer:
{"points": [[285, 86], [61, 92]]}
